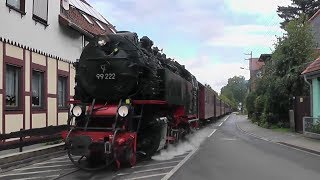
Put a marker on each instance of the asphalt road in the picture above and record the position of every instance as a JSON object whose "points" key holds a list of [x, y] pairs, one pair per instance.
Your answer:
{"points": [[219, 151], [230, 154]]}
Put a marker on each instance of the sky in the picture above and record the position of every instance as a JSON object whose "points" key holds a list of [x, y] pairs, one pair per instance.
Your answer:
{"points": [[209, 37]]}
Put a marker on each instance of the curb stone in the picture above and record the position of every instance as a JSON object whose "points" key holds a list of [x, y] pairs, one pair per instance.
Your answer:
{"points": [[279, 142]]}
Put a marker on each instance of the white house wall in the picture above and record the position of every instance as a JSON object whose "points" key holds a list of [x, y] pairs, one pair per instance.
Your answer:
{"points": [[53, 39]]}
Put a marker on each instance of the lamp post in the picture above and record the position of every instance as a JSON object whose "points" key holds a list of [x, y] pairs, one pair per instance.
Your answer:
{"points": [[244, 68]]}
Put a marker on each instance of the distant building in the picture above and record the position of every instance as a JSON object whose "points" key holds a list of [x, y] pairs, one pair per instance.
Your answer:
{"points": [[39, 40], [256, 69]]}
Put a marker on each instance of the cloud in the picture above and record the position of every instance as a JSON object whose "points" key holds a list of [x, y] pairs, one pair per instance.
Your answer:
{"points": [[246, 36], [209, 37], [215, 74], [195, 18], [262, 7]]}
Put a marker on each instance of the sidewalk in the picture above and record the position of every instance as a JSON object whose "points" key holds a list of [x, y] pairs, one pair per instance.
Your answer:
{"points": [[289, 138]]}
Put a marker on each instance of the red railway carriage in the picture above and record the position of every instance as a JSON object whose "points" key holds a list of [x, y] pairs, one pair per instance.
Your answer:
{"points": [[207, 103], [218, 107]]}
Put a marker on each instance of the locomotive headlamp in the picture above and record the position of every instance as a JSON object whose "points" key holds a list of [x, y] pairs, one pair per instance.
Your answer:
{"points": [[77, 111], [123, 111]]}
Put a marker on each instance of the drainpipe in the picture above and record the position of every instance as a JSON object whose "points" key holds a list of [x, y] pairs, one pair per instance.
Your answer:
{"points": [[311, 98]]}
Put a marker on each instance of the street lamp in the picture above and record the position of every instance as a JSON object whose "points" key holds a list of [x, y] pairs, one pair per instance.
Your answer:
{"points": [[244, 68]]}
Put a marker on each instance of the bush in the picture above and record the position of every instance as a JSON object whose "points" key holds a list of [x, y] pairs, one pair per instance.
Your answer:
{"points": [[316, 128], [250, 104]]}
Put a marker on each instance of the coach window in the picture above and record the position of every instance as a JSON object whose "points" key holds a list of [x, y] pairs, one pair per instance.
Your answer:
{"points": [[13, 81], [62, 92], [37, 89]]}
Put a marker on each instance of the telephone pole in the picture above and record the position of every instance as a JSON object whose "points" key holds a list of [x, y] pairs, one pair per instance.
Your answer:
{"points": [[250, 54]]}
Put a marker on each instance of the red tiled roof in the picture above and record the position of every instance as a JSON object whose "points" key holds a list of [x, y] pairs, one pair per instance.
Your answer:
{"points": [[255, 64], [74, 18], [315, 66]]}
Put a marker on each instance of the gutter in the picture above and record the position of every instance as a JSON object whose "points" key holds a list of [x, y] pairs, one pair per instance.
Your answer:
{"points": [[311, 94]]}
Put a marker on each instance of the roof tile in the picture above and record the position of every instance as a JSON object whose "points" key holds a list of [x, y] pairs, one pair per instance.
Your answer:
{"points": [[75, 16], [315, 66]]}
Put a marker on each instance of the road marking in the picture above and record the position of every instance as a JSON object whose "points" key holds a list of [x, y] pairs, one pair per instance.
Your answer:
{"points": [[63, 157], [223, 121], [49, 162], [40, 177], [147, 170], [168, 162], [143, 177], [38, 167], [175, 169], [228, 139], [34, 172], [212, 133], [226, 118]]}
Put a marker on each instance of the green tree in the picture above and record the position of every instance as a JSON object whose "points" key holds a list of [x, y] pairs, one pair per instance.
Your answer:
{"points": [[281, 79], [235, 90], [296, 9]]}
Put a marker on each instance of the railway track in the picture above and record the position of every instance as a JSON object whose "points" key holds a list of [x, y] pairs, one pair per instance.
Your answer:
{"points": [[60, 167]]}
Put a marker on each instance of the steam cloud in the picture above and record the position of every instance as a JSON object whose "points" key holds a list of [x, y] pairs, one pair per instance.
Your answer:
{"points": [[192, 141]]}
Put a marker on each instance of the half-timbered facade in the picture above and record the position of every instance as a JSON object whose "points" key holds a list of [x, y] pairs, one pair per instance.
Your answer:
{"points": [[39, 40]]}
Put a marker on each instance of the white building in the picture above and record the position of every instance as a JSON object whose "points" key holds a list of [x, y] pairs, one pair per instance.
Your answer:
{"points": [[39, 40]]}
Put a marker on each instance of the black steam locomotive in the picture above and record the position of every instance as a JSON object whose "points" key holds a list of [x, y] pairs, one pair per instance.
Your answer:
{"points": [[129, 98]]}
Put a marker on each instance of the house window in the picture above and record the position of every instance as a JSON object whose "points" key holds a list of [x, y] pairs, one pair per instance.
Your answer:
{"points": [[87, 18], [40, 11], [37, 89], [18, 5], [12, 86], [62, 92], [100, 25]]}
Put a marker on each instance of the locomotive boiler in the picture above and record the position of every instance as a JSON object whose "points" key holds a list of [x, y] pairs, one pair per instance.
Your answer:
{"points": [[129, 99]]}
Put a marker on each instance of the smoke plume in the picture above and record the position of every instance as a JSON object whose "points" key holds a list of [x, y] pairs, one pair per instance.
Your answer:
{"points": [[192, 141]]}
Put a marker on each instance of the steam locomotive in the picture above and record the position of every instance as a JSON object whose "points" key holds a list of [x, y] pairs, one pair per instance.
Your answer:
{"points": [[130, 99]]}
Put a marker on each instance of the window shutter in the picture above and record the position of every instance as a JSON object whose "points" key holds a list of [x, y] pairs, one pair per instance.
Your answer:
{"points": [[40, 9]]}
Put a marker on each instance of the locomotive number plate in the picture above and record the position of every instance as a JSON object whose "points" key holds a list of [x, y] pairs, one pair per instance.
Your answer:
{"points": [[106, 76]]}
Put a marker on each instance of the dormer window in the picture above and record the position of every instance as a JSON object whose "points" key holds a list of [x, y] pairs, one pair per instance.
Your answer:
{"points": [[100, 25], [17, 5], [87, 18], [113, 30]]}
